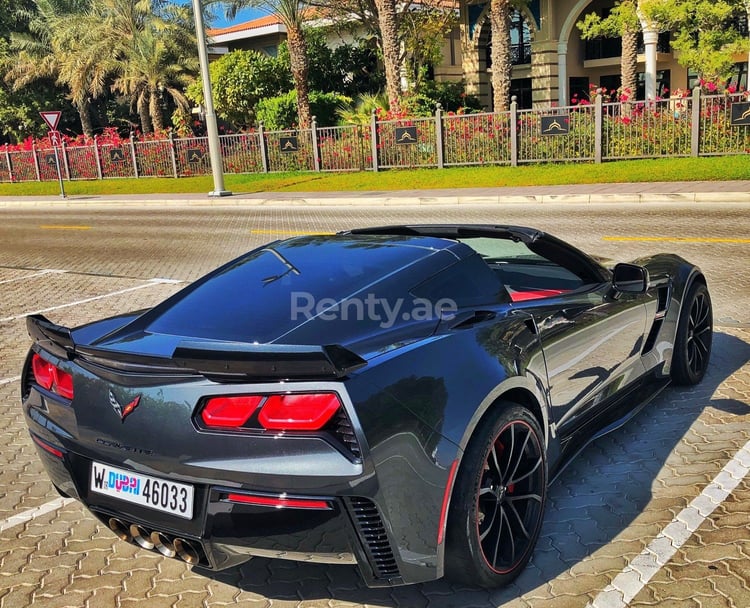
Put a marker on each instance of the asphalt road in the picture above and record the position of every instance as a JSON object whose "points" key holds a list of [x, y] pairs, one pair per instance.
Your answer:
{"points": [[612, 535]]}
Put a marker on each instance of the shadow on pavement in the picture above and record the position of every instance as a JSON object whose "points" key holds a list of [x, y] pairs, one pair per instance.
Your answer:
{"points": [[597, 497]]}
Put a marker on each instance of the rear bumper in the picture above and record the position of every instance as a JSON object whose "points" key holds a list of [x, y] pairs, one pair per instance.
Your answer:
{"points": [[223, 534]]}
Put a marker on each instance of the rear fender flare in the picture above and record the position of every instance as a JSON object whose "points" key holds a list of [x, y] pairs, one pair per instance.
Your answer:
{"points": [[534, 399]]}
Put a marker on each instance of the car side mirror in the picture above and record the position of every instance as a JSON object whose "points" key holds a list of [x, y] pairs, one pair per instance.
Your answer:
{"points": [[630, 278]]}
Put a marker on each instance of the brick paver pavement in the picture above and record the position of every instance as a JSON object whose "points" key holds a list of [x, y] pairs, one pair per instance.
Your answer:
{"points": [[605, 508]]}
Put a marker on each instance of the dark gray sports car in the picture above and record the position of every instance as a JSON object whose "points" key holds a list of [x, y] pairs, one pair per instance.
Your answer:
{"points": [[397, 398]]}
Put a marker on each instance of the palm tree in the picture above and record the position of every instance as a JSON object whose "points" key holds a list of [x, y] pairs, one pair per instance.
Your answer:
{"points": [[149, 71], [501, 12], [48, 50], [291, 13], [388, 25], [147, 47], [622, 22]]}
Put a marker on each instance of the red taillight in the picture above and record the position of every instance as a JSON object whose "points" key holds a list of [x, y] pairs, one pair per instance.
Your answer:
{"points": [[44, 372], [294, 412], [47, 447], [64, 384], [51, 377], [229, 412], [298, 412], [280, 502]]}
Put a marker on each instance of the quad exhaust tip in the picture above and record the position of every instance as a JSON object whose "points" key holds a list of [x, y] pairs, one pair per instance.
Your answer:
{"points": [[169, 546], [187, 551], [120, 528]]}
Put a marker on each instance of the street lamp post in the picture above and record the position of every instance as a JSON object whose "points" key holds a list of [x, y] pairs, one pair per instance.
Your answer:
{"points": [[214, 147]]}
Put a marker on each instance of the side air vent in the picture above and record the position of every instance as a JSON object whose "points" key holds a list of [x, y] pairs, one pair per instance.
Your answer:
{"points": [[342, 428], [661, 310], [370, 526]]}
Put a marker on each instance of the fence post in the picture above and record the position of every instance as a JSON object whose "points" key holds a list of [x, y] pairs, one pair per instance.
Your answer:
{"points": [[439, 136], [97, 157], [315, 149], [374, 140], [133, 157], [7, 162], [66, 161], [695, 124], [514, 131], [263, 149], [36, 162], [598, 126], [173, 154]]}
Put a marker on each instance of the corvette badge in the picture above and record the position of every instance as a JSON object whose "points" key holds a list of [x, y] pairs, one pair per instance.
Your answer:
{"points": [[123, 410]]}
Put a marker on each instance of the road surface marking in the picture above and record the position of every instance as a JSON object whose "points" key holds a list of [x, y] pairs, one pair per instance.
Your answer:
{"points": [[642, 569], [31, 276], [151, 283], [672, 239], [26, 516], [10, 380], [292, 232], [63, 227]]}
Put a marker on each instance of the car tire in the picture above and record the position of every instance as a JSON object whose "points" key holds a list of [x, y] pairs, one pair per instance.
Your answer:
{"points": [[498, 499], [692, 347]]}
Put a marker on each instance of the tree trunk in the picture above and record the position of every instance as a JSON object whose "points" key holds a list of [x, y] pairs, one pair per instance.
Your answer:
{"points": [[500, 14], [300, 68], [629, 63], [84, 112], [154, 110], [391, 51], [144, 115]]}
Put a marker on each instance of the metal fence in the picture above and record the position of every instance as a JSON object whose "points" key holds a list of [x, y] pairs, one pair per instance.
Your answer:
{"points": [[697, 125]]}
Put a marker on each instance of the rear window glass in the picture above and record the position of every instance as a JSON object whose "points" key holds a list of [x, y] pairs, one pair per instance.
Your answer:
{"points": [[254, 298]]}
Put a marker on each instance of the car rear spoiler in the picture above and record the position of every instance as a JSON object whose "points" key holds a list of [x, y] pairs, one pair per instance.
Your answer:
{"points": [[219, 361]]}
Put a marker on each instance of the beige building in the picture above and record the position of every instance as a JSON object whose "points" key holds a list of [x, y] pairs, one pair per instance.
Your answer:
{"points": [[552, 64]]}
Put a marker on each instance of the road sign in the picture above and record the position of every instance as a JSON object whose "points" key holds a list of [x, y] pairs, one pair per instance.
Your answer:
{"points": [[50, 159], [406, 135], [741, 114], [195, 155], [51, 117], [55, 138], [289, 144], [555, 124], [116, 155]]}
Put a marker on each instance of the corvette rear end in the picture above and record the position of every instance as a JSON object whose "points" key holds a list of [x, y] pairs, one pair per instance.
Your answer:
{"points": [[210, 471], [213, 451]]}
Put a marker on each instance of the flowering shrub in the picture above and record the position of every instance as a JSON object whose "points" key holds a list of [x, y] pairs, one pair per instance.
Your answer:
{"points": [[345, 148], [656, 128], [630, 129], [476, 139], [241, 153], [718, 136], [577, 143]]}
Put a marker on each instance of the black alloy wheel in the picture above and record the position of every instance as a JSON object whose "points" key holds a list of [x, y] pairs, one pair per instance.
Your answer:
{"points": [[499, 499], [692, 349]]}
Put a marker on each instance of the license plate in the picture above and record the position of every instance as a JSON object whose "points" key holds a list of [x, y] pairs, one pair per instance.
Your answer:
{"points": [[152, 492]]}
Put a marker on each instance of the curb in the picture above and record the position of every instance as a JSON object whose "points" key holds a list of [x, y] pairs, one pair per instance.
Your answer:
{"points": [[383, 200]]}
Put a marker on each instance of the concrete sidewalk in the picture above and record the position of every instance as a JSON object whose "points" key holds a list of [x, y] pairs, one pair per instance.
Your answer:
{"points": [[651, 192]]}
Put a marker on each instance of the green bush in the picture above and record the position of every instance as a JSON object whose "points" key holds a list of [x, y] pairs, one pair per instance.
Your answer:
{"points": [[241, 79], [281, 112], [349, 69], [450, 95]]}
